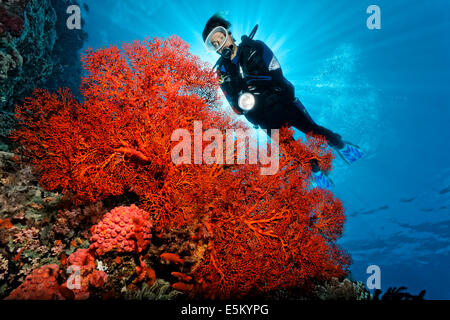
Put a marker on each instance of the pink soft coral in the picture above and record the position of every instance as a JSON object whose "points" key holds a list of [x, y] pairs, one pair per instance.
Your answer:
{"points": [[41, 284], [84, 261], [123, 229]]}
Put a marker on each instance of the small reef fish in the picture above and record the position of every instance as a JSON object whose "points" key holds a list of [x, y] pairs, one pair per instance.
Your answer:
{"points": [[172, 257], [5, 224]]}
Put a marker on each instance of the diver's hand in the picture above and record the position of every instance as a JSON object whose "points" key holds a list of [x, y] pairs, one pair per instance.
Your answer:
{"points": [[236, 110]]}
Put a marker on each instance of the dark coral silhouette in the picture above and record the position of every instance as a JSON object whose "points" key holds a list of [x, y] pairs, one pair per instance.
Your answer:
{"points": [[397, 294]]}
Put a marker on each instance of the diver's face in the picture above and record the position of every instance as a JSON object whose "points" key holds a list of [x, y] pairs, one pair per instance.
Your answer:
{"points": [[218, 38]]}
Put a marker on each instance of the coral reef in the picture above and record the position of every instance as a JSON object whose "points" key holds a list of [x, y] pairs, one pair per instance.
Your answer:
{"points": [[93, 207], [123, 229], [342, 290], [88, 275], [170, 256], [37, 227], [18, 186], [3, 267], [11, 17], [67, 221], [160, 290], [36, 50], [270, 233], [249, 234], [145, 273], [47, 282], [7, 122], [41, 284]]}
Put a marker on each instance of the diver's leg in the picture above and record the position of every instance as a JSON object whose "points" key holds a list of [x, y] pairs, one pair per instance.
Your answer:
{"points": [[314, 163], [301, 120], [268, 129]]}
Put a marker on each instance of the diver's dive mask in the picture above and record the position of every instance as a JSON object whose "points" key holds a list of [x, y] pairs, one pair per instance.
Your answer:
{"points": [[216, 39]]}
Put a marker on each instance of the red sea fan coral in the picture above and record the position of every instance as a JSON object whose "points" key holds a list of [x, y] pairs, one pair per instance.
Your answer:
{"points": [[51, 137], [265, 232], [256, 233], [119, 139], [123, 229]]}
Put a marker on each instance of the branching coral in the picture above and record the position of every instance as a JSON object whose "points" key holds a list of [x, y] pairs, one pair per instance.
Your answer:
{"points": [[145, 273], [28, 240], [259, 233], [69, 221], [254, 233], [120, 138]]}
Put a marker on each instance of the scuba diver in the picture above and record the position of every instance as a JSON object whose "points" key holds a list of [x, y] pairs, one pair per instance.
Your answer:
{"points": [[252, 81]]}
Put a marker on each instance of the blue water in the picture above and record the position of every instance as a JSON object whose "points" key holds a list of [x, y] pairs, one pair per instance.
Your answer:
{"points": [[386, 90]]}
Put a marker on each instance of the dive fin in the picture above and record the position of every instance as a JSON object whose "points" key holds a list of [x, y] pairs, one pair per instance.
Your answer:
{"points": [[321, 180], [350, 152]]}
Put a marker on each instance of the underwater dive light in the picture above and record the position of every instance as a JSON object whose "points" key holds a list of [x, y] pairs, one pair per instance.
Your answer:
{"points": [[246, 101]]}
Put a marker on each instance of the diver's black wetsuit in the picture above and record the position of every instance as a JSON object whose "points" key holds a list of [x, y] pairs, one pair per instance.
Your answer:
{"points": [[256, 69]]}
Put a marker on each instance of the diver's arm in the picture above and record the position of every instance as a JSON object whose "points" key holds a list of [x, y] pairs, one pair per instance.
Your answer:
{"points": [[230, 94], [274, 75]]}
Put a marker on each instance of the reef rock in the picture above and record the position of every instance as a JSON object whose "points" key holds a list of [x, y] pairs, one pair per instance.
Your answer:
{"points": [[41, 284], [36, 50]]}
